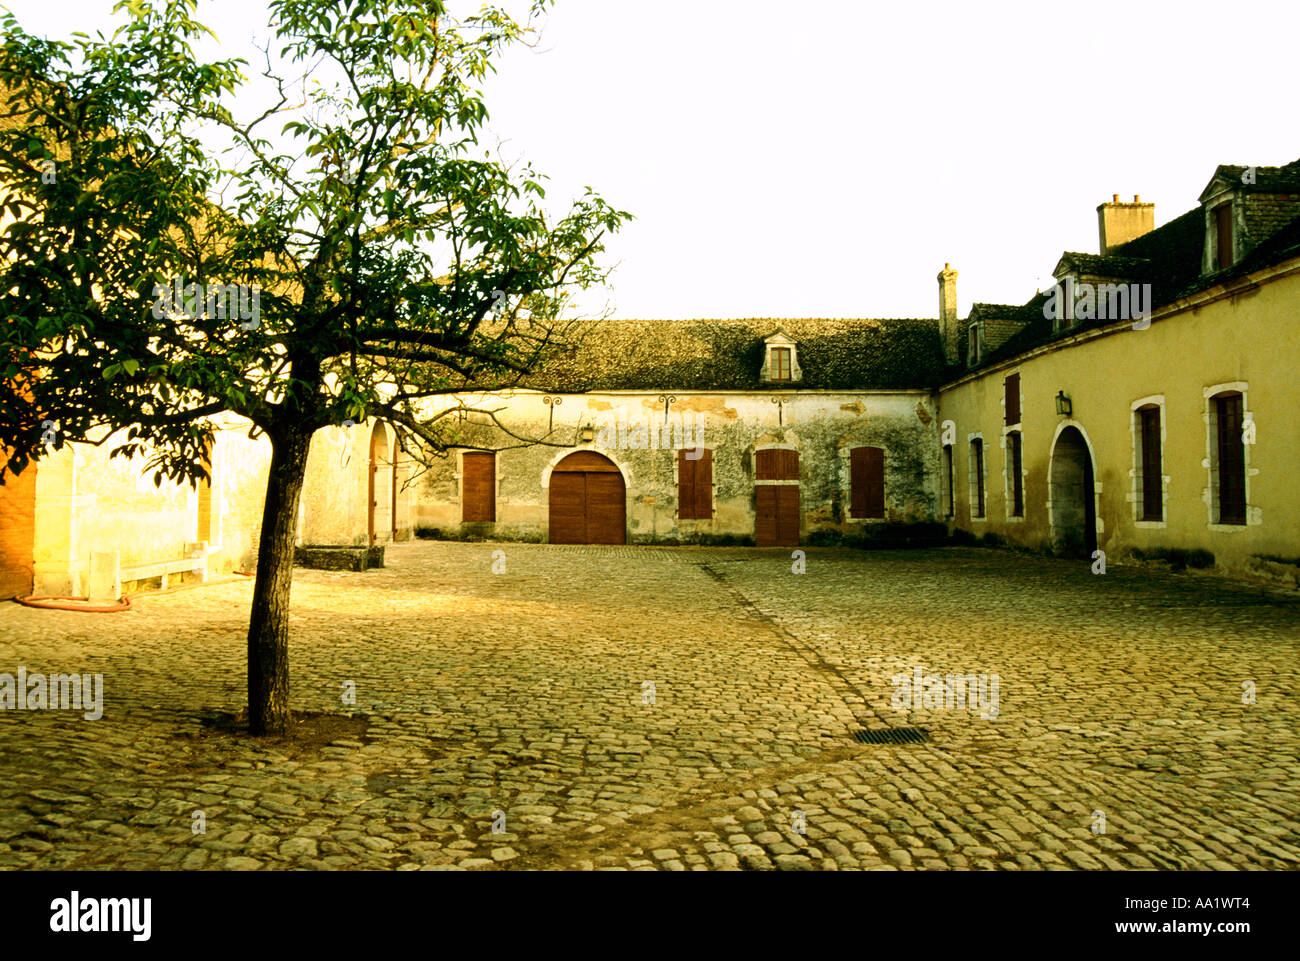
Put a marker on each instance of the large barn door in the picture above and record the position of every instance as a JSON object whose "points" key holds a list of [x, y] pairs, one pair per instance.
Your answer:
{"points": [[587, 501]]}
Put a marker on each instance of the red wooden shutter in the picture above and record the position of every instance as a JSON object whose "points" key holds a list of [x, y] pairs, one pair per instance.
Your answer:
{"points": [[1232, 460], [1012, 387], [1223, 235], [1152, 508], [866, 482], [950, 496], [977, 466], [478, 485], [775, 464], [704, 485], [1017, 477], [695, 485]]}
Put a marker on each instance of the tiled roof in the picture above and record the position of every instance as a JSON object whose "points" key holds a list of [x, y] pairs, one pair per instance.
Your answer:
{"points": [[1104, 265], [1285, 179], [728, 355], [1168, 258]]}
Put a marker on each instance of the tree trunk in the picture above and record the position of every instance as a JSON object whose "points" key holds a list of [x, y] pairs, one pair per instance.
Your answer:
{"points": [[268, 628]]}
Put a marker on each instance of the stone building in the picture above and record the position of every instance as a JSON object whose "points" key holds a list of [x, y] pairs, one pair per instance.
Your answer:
{"points": [[1101, 428], [748, 431]]}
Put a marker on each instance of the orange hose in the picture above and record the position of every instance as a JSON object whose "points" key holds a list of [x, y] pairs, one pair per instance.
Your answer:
{"points": [[35, 600], [124, 604]]}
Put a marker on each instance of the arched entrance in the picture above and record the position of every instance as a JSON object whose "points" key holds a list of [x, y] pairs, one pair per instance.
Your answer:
{"points": [[380, 522], [1073, 493], [587, 501]]}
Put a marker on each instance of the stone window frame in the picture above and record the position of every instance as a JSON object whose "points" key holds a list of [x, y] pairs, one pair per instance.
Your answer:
{"points": [[776, 341], [1227, 194], [976, 350], [1008, 492], [1210, 493], [982, 474], [845, 453], [1135, 492]]}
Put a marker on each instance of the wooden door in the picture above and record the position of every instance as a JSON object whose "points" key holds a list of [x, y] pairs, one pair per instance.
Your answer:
{"points": [[478, 487], [588, 502], [17, 532], [778, 515]]}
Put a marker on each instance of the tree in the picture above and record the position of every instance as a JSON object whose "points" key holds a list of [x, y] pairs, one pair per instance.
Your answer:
{"points": [[355, 262]]}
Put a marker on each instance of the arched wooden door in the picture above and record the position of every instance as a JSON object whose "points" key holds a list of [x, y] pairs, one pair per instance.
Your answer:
{"points": [[587, 501], [380, 517]]}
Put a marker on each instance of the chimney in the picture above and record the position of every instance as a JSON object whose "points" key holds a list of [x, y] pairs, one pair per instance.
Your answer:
{"points": [[949, 328], [1118, 223]]}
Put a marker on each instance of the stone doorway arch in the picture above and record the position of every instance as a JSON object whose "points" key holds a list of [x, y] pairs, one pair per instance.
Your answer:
{"points": [[1072, 483], [587, 501]]}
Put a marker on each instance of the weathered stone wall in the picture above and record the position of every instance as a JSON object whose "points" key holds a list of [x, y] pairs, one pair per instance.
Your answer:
{"points": [[627, 427]]}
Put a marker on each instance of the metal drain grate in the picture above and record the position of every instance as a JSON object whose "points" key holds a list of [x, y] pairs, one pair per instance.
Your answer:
{"points": [[893, 735]]}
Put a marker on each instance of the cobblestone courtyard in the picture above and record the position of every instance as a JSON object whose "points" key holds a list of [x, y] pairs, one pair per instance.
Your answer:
{"points": [[524, 692]]}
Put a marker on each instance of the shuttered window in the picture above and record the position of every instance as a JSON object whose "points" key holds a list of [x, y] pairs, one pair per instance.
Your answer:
{"points": [[1012, 389], [1223, 236], [478, 487], [774, 464], [1017, 476], [695, 485], [1231, 458], [949, 497], [1149, 428], [977, 476], [867, 482]]}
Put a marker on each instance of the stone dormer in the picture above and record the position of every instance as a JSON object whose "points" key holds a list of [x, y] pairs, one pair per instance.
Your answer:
{"points": [[780, 360], [1243, 207]]}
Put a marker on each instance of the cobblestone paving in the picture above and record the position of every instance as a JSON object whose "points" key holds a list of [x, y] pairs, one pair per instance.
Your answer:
{"points": [[524, 692]]}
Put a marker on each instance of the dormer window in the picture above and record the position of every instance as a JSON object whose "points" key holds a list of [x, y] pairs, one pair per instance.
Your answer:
{"points": [[780, 363], [780, 360], [973, 350], [1222, 227]]}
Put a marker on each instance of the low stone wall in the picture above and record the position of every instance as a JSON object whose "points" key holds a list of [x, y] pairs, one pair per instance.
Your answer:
{"points": [[340, 558]]}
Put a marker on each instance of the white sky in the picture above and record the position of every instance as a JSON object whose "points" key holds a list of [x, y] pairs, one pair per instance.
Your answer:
{"points": [[825, 158]]}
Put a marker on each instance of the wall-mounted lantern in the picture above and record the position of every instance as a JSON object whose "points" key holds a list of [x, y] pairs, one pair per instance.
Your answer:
{"points": [[1063, 405], [587, 433]]}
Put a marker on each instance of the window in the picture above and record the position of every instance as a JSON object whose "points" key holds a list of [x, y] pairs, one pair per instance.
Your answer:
{"points": [[1223, 236], [776, 463], [780, 363], [973, 352], [695, 485], [1017, 478], [949, 508], [1150, 506], [1230, 458], [867, 482], [977, 477], [1011, 397], [478, 487]]}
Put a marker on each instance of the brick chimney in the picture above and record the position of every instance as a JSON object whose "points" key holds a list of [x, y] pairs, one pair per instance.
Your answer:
{"points": [[949, 326], [1119, 223]]}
